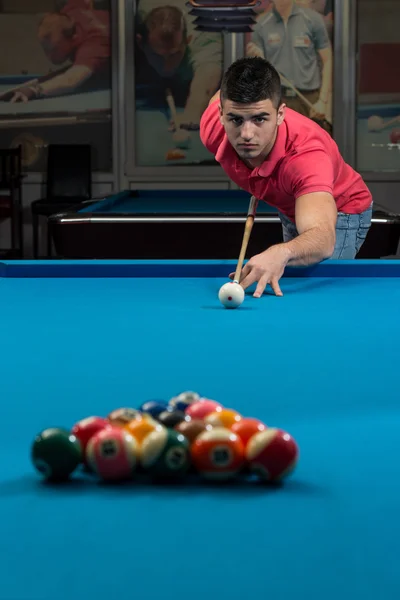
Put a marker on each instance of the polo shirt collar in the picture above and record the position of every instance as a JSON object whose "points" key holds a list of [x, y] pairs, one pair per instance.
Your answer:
{"points": [[295, 11]]}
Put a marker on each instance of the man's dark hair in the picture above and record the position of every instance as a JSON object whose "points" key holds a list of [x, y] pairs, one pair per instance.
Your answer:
{"points": [[251, 79]]}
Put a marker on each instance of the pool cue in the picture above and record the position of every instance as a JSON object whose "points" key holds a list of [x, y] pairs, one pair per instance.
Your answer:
{"points": [[388, 123], [300, 95], [8, 94], [251, 213], [172, 107]]}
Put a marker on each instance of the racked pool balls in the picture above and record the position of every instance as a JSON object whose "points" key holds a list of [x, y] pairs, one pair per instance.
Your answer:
{"points": [[122, 416], [56, 453], [165, 454], [86, 428], [218, 454], [191, 428], [247, 427], [223, 417], [113, 454], [199, 410], [272, 454]]}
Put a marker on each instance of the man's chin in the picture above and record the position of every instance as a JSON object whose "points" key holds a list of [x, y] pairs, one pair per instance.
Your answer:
{"points": [[248, 152]]}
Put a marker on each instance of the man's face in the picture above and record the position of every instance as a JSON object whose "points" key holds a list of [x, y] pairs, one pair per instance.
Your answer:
{"points": [[251, 128], [165, 56]]}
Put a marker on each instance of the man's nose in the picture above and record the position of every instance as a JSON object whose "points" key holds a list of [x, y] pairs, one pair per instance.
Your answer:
{"points": [[247, 131]]}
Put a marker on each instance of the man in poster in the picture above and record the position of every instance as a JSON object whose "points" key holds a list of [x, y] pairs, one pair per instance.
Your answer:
{"points": [[78, 35]]}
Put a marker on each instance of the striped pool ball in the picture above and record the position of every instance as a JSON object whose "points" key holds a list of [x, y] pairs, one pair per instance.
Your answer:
{"points": [[184, 399], [86, 428], [272, 454], [200, 410], [223, 417], [112, 454], [141, 428], [165, 454], [247, 427], [121, 416], [218, 454], [56, 453]]}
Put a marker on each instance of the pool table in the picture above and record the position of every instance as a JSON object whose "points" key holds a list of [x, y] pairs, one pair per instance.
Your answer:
{"points": [[190, 224], [81, 107], [375, 151], [81, 338]]}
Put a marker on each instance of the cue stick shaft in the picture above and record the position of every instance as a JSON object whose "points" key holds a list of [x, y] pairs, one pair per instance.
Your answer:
{"points": [[251, 213], [299, 94], [172, 107]]}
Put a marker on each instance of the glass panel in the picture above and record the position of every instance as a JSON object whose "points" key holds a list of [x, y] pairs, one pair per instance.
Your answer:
{"points": [[177, 71], [55, 78], [378, 114], [296, 37]]}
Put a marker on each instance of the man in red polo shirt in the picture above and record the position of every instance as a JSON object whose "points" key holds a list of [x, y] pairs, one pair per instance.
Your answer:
{"points": [[78, 35], [287, 160]]}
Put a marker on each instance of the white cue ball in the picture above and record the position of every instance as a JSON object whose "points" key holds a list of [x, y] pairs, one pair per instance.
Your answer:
{"points": [[231, 295]]}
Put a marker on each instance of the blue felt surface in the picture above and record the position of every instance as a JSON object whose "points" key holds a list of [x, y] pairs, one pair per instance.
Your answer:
{"points": [[317, 362], [176, 201]]}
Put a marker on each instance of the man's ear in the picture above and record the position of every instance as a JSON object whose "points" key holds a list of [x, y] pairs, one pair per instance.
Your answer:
{"points": [[281, 114]]}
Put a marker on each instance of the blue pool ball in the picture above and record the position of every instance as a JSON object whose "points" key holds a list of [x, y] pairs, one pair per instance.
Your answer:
{"points": [[183, 400], [154, 407]]}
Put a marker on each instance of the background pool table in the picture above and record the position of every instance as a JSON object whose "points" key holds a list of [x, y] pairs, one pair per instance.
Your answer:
{"points": [[184, 224], [63, 110], [375, 152], [82, 338]]}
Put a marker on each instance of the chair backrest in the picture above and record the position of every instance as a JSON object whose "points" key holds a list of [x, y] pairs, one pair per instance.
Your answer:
{"points": [[69, 172], [10, 168]]}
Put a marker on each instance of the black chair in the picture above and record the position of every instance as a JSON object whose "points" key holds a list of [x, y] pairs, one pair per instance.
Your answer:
{"points": [[11, 197], [69, 183]]}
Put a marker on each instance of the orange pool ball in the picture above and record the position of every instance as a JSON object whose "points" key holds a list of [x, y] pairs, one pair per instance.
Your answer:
{"points": [[140, 428], [272, 454], [218, 454], [245, 428], [223, 417]]}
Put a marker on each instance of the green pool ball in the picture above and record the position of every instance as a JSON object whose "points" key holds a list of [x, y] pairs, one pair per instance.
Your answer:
{"points": [[56, 453], [165, 454]]}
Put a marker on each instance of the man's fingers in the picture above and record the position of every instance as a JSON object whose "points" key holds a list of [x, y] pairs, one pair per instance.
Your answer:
{"points": [[249, 280], [262, 284], [245, 271], [275, 286]]}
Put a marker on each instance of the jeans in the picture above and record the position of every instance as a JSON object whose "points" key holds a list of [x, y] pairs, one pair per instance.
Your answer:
{"points": [[351, 231]]}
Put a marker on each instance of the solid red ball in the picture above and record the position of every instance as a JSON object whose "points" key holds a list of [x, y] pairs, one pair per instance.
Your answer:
{"points": [[247, 427], [87, 428], [395, 136], [272, 454], [202, 408]]}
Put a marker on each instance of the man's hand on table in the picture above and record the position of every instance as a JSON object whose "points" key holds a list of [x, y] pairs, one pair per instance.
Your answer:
{"points": [[265, 268]]}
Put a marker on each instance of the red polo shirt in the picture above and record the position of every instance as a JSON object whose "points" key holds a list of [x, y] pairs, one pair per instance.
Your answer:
{"points": [[92, 42], [304, 159]]}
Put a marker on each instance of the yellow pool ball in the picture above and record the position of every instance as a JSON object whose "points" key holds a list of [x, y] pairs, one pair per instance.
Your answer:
{"points": [[223, 417]]}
